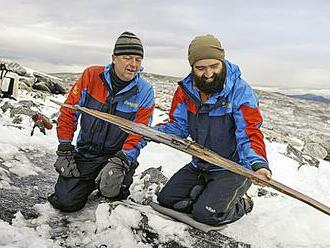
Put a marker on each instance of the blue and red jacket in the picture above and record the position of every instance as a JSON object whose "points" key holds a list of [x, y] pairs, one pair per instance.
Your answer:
{"points": [[228, 123], [99, 138]]}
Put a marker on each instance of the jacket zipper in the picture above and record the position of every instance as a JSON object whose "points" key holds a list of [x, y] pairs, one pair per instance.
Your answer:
{"points": [[108, 125]]}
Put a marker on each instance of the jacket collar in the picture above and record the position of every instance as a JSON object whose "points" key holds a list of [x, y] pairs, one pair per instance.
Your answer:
{"points": [[107, 78]]}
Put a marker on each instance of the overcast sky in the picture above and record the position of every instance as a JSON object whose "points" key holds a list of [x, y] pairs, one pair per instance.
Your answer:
{"points": [[275, 43]]}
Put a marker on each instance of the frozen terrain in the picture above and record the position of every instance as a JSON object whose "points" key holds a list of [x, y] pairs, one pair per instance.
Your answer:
{"points": [[27, 177]]}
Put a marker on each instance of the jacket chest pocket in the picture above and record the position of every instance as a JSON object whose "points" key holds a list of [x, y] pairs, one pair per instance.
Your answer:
{"points": [[127, 106]]}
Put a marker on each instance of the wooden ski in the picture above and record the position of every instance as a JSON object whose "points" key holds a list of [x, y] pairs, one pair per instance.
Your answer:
{"points": [[185, 218], [199, 151]]}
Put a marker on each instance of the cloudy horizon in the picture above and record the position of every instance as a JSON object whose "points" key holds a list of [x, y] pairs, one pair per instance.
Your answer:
{"points": [[282, 43]]}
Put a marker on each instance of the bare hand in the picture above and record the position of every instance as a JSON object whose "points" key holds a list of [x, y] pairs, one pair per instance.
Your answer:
{"points": [[265, 173]]}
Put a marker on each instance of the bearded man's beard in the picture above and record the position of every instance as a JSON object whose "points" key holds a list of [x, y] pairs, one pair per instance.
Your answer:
{"points": [[211, 87]]}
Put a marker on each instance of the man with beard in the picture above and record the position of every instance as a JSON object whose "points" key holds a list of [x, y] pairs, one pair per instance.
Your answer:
{"points": [[219, 111], [105, 156]]}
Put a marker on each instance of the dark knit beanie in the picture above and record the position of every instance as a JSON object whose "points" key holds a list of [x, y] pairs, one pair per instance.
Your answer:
{"points": [[128, 44], [205, 47]]}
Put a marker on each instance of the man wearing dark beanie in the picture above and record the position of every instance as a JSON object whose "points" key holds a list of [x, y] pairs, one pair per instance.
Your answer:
{"points": [[105, 157], [219, 111]]}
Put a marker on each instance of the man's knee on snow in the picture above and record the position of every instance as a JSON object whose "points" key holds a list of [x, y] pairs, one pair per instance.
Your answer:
{"points": [[184, 204], [164, 199], [66, 202], [206, 214]]}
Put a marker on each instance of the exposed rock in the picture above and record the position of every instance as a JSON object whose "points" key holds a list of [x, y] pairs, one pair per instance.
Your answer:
{"points": [[22, 86], [22, 110], [40, 85], [25, 192], [27, 104], [15, 67], [151, 182], [313, 138], [315, 150], [56, 88], [155, 175], [214, 239], [36, 80], [27, 81], [17, 119], [295, 118], [283, 138], [265, 193], [39, 95], [48, 83], [321, 138], [68, 79], [300, 157], [6, 106]]}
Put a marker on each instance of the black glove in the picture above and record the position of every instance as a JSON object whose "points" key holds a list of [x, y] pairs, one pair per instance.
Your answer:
{"points": [[65, 164], [128, 180], [109, 180]]}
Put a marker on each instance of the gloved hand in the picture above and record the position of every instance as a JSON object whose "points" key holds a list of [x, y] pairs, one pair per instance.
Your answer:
{"points": [[65, 164], [111, 177]]}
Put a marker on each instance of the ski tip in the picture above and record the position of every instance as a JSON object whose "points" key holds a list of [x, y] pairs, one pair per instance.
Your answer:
{"points": [[185, 218]]}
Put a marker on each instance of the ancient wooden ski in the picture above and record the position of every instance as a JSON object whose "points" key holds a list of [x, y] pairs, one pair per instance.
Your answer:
{"points": [[185, 218], [197, 150]]}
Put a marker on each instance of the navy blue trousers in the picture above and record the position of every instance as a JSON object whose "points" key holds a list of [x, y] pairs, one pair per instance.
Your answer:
{"points": [[71, 194], [219, 200]]}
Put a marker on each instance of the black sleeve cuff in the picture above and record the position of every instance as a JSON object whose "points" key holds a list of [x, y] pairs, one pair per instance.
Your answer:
{"points": [[122, 156], [65, 147], [260, 165]]}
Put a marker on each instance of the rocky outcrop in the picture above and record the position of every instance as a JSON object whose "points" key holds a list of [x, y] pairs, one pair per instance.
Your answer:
{"points": [[34, 80], [300, 157], [26, 83], [315, 150], [322, 141], [301, 121], [14, 67], [48, 83]]}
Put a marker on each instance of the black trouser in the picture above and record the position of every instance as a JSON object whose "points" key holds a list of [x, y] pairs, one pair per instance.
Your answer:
{"points": [[220, 200], [71, 194]]}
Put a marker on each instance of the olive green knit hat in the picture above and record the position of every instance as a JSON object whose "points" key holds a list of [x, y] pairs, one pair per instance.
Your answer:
{"points": [[205, 47]]}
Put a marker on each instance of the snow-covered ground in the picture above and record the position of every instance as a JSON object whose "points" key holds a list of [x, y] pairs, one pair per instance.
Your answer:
{"points": [[276, 221]]}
